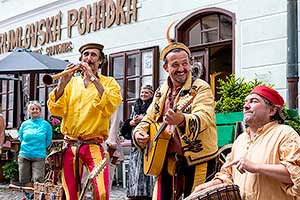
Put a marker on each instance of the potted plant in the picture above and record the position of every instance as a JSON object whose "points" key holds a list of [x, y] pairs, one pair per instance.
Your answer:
{"points": [[229, 107], [10, 170]]}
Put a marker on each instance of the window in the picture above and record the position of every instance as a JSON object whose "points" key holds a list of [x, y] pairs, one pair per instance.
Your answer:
{"points": [[34, 89], [17, 90], [210, 28], [42, 94], [132, 69], [7, 100]]}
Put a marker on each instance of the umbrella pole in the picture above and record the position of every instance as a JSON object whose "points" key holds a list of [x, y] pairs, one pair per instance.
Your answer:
{"points": [[21, 99]]}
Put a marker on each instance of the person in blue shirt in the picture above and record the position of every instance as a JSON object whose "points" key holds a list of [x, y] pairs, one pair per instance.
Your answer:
{"points": [[35, 135]]}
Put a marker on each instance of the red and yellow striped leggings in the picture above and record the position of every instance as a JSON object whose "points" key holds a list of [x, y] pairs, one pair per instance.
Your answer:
{"points": [[89, 155]]}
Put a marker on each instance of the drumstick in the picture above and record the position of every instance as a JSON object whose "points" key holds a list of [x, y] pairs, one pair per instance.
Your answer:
{"points": [[12, 186]]}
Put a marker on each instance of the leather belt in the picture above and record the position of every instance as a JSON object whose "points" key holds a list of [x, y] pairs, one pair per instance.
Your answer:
{"points": [[75, 142]]}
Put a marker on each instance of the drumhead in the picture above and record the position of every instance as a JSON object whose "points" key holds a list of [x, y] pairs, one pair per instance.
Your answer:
{"points": [[218, 192]]}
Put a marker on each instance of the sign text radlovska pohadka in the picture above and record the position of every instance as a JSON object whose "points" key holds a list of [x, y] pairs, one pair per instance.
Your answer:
{"points": [[91, 18]]}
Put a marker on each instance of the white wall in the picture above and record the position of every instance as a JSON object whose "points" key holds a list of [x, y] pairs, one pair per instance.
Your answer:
{"points": [[11, 8], [262, 42]]}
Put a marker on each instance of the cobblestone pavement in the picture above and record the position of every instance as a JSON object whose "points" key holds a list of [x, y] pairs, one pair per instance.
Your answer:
{"points": [[117, 193]]}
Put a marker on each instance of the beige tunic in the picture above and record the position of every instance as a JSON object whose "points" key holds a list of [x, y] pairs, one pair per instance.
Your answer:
{"points": [[274, 144]]}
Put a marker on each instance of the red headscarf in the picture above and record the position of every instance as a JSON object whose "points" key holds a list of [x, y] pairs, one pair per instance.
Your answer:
{"points": [[270, 94]]}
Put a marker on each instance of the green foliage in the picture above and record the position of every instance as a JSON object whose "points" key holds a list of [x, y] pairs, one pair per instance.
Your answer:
{"points": [[292, 119], [233, 93], [10, 169]]}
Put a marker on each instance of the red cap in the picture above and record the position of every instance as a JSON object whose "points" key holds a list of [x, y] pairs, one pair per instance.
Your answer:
{"points": [[270, 94]]}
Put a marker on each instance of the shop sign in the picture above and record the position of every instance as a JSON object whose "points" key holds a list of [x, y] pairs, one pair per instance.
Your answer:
{"points": [[91, 18]]}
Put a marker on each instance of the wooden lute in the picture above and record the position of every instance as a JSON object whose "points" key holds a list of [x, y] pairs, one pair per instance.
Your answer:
{"points": [[155, 151]]}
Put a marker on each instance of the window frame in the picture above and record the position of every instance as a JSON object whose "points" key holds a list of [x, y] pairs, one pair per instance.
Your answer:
{"points": [[19, 103], [11, 86], [154, 75]]}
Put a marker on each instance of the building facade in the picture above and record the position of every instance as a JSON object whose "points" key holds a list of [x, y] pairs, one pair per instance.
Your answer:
{"points": [[247, 38]]}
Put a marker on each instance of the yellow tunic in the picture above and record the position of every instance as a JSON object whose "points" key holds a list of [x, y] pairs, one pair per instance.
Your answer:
{"points": [[274, 144], [83, 112]]}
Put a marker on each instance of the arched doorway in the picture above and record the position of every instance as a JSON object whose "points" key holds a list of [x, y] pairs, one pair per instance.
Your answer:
{"points": [[209, 33]]}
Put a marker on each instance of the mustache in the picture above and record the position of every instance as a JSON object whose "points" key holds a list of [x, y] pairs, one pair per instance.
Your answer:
{"points": [[177, 72]]}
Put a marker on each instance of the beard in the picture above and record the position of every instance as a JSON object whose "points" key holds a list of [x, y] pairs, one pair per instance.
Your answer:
{"points": [[179, 79]]}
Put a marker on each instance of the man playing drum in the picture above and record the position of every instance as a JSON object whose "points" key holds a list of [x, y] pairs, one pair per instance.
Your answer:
{"points": [[265, 160], [85, 103], [192, 131]]}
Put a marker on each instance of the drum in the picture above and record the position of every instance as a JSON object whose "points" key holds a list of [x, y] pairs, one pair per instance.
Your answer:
{"points": [[218, 192]]}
